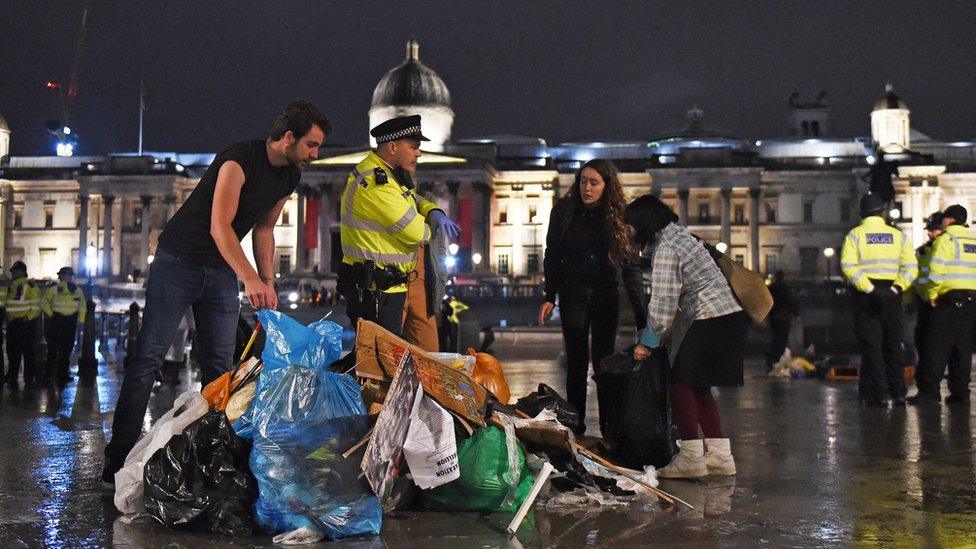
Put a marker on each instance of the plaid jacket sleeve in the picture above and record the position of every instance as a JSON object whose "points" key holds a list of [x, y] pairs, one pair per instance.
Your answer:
{"points": [[666, 285]]}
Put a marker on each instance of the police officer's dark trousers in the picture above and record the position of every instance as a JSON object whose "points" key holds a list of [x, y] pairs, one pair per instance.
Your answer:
{"points": [[947, 340], [878, 325], [385, 309], [21, 337], [589, 322], [60, 335]]}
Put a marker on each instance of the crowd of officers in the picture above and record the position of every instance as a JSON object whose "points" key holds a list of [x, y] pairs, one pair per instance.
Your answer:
{"points": [[62, 307], [939, 279]]}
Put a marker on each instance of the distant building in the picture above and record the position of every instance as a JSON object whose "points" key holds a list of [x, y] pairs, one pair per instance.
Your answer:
{"points": [[777, 203]]}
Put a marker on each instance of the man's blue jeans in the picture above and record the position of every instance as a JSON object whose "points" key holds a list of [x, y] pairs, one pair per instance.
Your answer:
{"points": [[175, 284]]}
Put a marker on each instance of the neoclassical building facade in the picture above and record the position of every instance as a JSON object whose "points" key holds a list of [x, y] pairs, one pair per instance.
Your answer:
{"points": [[776, 203]]}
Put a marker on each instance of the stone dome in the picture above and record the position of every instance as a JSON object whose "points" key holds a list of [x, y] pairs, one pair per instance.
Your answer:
{"points": [[890, 100], [411, 83]]}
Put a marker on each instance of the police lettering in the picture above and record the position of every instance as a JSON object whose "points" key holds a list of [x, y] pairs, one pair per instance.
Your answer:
{"points": [[880, 238], [969, 248]]}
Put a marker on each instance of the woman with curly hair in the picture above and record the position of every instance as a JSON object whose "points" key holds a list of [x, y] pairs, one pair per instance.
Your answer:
{"points": [[587, 250]]}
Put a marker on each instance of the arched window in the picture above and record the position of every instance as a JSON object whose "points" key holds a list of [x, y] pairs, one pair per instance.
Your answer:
{"points": [[815, 128], [806, 127]]}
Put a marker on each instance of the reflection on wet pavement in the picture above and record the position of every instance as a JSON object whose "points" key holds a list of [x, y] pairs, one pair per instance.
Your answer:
{"points": [[814, 470]]}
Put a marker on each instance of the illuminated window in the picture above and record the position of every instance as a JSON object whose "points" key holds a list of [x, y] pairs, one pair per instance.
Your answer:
{"points": [[739, 214], [285, 217], [503, 264], [284, 263], [532, 263], [503, 213], [770, 212], [704, 213]]}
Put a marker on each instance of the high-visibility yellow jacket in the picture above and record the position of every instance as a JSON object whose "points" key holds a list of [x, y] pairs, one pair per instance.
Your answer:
{"points": [[23, 300], [66, 300], [953, 263], [457, 307], [920, 287], [381, 221], [3, 294], [876, 250]]}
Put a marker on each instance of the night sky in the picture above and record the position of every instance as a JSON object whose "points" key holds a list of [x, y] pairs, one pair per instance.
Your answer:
{"points": [[217, 72]]}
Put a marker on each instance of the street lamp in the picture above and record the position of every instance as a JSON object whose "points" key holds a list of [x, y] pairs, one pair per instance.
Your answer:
{"points": [[452, 248], [721, 247], [476, 258], [828, 253]]}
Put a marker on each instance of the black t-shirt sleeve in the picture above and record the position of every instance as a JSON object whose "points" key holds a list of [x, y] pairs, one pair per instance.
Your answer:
{"points": [[242, 153]]}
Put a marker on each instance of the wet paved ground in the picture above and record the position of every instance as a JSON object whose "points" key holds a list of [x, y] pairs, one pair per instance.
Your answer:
{"points": [[815, 470]]}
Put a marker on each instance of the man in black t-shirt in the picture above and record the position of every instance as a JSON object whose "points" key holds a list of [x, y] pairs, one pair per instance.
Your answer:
{"points": [[199, 261]]}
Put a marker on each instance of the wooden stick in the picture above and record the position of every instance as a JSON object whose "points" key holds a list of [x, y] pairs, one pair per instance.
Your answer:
{"points": [[547, 470], [661, 494], [358, 445]]}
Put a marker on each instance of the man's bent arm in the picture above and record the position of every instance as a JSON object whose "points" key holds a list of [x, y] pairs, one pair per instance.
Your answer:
{"points": [[263, 242], [227, 194]]}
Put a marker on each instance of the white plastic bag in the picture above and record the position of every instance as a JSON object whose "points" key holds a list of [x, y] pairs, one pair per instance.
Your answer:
{"points": [[188, 407]]}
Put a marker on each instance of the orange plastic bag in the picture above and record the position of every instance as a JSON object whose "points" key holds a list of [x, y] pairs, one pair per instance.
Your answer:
{"points": [[488, 372], [219, 391]]}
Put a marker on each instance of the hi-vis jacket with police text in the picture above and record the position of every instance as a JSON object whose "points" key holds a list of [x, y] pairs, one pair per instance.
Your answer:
{"points": [[953, 263], [382, 220], [876, 250], [23, 300], [64, 299]]}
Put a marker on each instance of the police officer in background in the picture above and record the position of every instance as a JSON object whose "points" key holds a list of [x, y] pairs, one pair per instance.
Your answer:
{"points": [[64, 307], [23, 308], [878, 261], [382, 223], [919, 296], [948, 336]]}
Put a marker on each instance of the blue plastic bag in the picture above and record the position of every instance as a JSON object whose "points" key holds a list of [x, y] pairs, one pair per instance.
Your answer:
{"points": [[290, 342], [302, 419]]}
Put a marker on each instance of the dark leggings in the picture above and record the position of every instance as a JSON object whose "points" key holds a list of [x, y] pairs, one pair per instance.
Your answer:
{"points": [[589, 332], [694, 406]]}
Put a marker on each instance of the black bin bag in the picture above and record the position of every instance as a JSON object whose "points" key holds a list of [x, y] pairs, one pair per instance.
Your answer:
{"points": [[635, 411], [547, 397], [200, 481]]}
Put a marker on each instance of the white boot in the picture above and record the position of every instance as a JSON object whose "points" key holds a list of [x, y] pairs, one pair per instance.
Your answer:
{"points": [[718, 457], [688, 463]]}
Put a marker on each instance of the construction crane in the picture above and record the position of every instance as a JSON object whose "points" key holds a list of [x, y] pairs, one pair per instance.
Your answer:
{"points": [[59, 127]]}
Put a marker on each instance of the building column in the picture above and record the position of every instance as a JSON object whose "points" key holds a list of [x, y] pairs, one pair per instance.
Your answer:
{"points": [[452, 188], [683, 206], [83, 236], [170, 202], [754, 195], [107, 201], [325, 231], [145, 223], [918, 216], [301, 262], [726, 217], [481, 237]]}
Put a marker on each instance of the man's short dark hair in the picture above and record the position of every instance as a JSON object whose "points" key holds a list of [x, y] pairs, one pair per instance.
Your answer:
{"points": [[298, 117]]}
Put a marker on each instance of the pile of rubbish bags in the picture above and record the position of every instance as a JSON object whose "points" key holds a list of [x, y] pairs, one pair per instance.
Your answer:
{"points": [[284, 445]]}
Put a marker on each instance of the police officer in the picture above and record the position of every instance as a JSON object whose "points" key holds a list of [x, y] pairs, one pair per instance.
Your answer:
{"points": [[383, 222], [64, 307], [23, 308], [878, 261], [948, 336], [451, 309], [920, 287], [3, 317]]}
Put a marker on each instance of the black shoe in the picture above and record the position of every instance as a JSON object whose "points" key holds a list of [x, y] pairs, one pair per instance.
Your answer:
{"points": [[957, 399], [875, 402], [921, 400]]}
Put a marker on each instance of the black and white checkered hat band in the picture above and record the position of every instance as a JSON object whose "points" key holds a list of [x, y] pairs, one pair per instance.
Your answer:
{"points": [[397, 135]]}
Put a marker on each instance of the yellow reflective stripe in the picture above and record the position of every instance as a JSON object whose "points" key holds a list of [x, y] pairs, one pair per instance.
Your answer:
{"points": [[385, 258]]}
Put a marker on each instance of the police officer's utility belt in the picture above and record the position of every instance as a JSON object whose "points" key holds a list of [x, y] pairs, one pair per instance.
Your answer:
{"points": [[367, 276], [958, 298]]}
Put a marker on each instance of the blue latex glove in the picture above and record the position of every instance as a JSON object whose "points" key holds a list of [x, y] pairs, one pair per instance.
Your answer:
{"points": [[439, 220], [649, 339]]}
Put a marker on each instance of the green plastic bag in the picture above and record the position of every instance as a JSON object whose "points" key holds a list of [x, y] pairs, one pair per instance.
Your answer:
{"points": [[488, 481]]}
